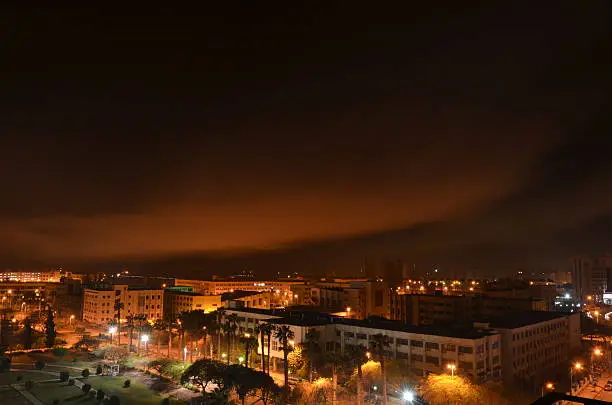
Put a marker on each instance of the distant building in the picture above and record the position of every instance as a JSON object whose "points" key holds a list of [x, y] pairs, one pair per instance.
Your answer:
{"points": [[183, 299], [358, 297], [425, 309], [99, 303], [52, 276], [251, 299], [216, 287], [590, 276]]}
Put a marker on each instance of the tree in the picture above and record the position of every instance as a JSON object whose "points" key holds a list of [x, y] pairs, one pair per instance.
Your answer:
{"points": [[337, 363], [159, 325], [358, 353], [227, 330], [115, 353], [312, 350], [232, 322], [203, 372], [379, 345], [118, 307], [193, 322], [250, 343], [220, 314], [269, 331], [285, 336], [28, 334], [130, 325], [246, 381], [446, 389], [50, 333]]}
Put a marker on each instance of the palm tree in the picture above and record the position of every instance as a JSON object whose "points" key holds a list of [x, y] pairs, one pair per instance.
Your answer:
{"points": [[379, 344], [130, 325], [285, 336], [227, 330], [337, 362], [313, 351], [141, 321], [159, 325], [232, 321], [263, 330], [269, 332], [220, 316], [358, 353], [118, 307]]}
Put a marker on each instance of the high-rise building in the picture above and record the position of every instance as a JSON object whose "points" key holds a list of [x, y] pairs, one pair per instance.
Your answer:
{"points": [[590, 276]]}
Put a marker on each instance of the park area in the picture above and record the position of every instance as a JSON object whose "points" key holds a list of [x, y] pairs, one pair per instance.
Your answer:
{"points": [[77, 377]]}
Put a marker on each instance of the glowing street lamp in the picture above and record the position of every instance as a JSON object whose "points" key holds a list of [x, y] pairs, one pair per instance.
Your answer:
{"points": [[549, 387], [241, 359], [452, 368], [408, 396], [145, 339], [576, 367], [348, 312], [112, 330], [185, 353], [71, 318], [368, 355], [223, 355], [596, 313]]}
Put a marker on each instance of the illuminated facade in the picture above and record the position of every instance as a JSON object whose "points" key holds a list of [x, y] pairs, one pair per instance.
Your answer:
{"points": [[99, 303], [33, 276]]}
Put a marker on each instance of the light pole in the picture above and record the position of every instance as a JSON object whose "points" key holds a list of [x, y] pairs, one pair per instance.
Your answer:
{"points": [[596, 313], [70, 321], [247, 337], [577, 367], [549, 386], [185, 353], [145, 339], [595, 353], [452, 368]]}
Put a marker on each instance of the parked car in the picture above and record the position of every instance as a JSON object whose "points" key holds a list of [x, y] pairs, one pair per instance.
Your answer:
{"points": [[608, 386]]}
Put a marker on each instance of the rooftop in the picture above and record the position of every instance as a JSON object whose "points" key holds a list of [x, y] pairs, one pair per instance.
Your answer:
{"points": [[521, 319]]}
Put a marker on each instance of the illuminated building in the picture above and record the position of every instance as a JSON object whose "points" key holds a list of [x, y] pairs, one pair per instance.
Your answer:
{"points": [[99, 303]]}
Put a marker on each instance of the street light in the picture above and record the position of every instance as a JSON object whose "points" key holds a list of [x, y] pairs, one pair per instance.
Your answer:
{"points": [[576, 367], [185, 353], [596, 313], [241, 359], [408, 396], [368, 355], [348, 312], [112, 331], [549, 386], [71, 318], [223, 355], [145, 339], [452, 368]]}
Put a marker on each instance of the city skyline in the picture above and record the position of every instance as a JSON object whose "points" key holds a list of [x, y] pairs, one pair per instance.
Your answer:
{"points": [[467, 139]]}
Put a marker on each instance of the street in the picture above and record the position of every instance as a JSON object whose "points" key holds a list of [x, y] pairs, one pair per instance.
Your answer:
{"points": [[597, 392]]}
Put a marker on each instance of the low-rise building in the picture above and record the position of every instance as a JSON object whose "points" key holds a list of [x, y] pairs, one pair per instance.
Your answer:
{"points": [[183, 299], [476, 353], [217, 287], [536, 346], [99, 303], [425, 309]]}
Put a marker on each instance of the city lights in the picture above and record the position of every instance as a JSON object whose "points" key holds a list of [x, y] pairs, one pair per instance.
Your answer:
{"points": [[408, 396]]}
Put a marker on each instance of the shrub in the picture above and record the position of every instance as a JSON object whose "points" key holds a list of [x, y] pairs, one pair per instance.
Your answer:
{"points": [[71, 381], [39, 365], [59, 351], [100, 395], [126, 384], [5, 364], [85, 373], [19, 377], [114, 400], [99, 370], [29, 385], [92, 393], [56, 402], [64, 376], [86, 388], [165, 401]]}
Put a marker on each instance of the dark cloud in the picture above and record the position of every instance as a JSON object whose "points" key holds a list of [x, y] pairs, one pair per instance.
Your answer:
{"points": [[463, 136]]}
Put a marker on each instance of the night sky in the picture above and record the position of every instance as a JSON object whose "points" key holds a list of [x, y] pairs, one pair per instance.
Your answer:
{"points": [[281, 138]]}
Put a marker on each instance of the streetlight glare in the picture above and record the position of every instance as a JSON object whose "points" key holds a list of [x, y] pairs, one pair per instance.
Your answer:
{"points": [[408, 396], [112, 329], [144, 338], [578, 366], [550, 386]]}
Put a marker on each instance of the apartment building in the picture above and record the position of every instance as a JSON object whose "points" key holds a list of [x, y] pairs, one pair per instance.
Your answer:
{"points": [[99, 303], [424, 309], [536, 346], [182, 299], [475, 353]]}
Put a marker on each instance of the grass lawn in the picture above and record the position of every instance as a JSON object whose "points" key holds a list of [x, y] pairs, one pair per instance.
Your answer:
{"points": [[67, 394], [137, 393], [9, 396], [11, 377]]}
